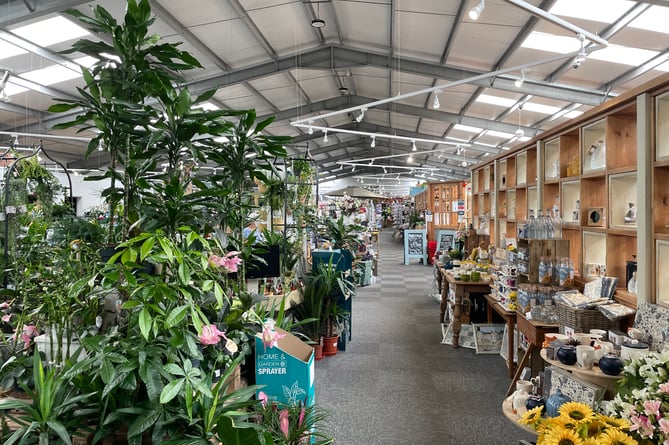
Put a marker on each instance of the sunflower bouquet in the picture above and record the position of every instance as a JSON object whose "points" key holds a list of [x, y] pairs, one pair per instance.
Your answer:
{"points": [[577, 424], [643, 398]]}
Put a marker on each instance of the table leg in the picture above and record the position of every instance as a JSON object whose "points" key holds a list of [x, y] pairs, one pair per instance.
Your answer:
{"points": [[489, 312], [457, 323], [444, 302], [510, 338], [521, 365]]}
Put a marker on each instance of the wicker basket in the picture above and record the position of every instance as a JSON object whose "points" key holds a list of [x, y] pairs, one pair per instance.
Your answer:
{"points": [[582, 320]]}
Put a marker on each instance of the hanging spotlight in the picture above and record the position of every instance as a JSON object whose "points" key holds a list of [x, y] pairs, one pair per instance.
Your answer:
{"points": [[441, 153], [325, 136], [519, 132], [373, 144], [384, 170], [519, 82], [410, 158], [341, 168], [371, 162], [353, 169], [413, 146], [582, 55], [16, 140], [318, 22], [361, 115], [436, 103], [310, 130], [476, 11]]}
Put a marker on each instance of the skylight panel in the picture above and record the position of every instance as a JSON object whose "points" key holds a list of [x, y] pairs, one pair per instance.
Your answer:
{"points": [[539, 108], [654, 19], [467, 128], [612, 53], [50, 31], [495, 100], [605, 11], [8, 50], [499, 134], [58, 73]]}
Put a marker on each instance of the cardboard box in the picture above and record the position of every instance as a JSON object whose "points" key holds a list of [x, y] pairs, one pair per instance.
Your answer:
{"points": [[287, 370]]}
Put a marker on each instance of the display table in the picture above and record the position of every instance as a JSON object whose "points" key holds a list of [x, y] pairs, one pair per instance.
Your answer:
{"points": [[462, 290], [534, 333], [507, 409], [510, 320]]}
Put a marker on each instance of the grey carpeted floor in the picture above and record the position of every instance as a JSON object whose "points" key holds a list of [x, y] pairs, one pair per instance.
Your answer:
{"points": [[397, 384]]}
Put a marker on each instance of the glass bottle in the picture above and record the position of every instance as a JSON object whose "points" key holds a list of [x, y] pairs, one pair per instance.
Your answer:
{"points": [[557, 222], [550, 229], [530, 226], [540, 225], [545, 270]]}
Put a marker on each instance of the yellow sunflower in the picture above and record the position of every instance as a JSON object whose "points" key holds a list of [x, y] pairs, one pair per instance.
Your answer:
{"points": [[549, 424], [531, 417], [591, 441], [615, 422], [576, 412], [616, 437], [561, 436]]}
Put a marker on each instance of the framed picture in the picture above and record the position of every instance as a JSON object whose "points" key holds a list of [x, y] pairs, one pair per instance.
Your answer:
{"points": [[445, 239], [415, 245], [488, 338], [576, 390]]}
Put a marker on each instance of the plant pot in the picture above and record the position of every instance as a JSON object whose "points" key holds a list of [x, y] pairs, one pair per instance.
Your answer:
{"points": [[318, 351], [330, 345]]}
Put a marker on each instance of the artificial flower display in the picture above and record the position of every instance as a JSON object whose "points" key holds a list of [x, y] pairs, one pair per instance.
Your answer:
{"points": [[578, 424], [643, 398]]}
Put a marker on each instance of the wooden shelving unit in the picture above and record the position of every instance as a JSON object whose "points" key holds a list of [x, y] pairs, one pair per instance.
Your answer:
{"points": [[448, 203], [595, 168]]}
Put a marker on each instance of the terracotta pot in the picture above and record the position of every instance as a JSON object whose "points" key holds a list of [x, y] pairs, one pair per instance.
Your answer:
{"points": [[330, 345], [318, 351]]}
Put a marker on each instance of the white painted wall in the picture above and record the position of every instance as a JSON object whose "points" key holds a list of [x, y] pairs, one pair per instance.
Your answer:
{"points": [[88, 192]]}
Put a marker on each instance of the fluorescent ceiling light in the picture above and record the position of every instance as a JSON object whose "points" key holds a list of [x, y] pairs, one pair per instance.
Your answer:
{"points": [[50, 31], [207, 106], [605, 11], [467, 128], [612, 53]]}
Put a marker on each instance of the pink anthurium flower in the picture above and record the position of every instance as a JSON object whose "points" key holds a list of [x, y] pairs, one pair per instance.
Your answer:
{"points": [[29, 331], [263, 398], [229, 262], [284, 422], [6, 318], [211, 335]]}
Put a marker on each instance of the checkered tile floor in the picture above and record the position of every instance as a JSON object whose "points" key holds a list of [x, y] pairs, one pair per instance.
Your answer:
{"points": [[396, 383]]}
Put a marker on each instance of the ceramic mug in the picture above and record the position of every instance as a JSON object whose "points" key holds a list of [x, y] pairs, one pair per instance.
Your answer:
{"points": [[585, 356], [602, 348], [583, 339]]}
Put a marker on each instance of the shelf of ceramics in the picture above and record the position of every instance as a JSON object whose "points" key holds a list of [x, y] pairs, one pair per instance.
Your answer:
{"points": [[622, 200], [661, 267], [571, 202], [594, 375], [662, 127], [593, 146], [552, 159], [594, 253], [521, 169]]}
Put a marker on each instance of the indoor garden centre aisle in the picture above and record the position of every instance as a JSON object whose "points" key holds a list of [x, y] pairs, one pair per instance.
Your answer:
{"points": [[397, 384]]}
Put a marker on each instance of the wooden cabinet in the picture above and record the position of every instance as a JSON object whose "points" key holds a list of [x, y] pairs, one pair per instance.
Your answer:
{"points": [[608, 174], [448, 203]]}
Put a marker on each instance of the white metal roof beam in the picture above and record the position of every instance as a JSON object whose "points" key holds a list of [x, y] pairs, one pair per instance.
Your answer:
{"points": [[15, 12], [337, 57]]}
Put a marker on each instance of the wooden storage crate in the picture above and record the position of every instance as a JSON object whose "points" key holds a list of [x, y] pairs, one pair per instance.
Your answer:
{"points": [[582, 320]]}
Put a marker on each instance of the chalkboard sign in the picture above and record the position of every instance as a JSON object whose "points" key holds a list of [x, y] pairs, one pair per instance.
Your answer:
{"points": [[415, 242], [445, 239]]}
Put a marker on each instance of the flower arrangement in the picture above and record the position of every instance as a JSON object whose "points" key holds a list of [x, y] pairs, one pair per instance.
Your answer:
{"points": [[643, 398], [577, 424], [292, 423]]}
